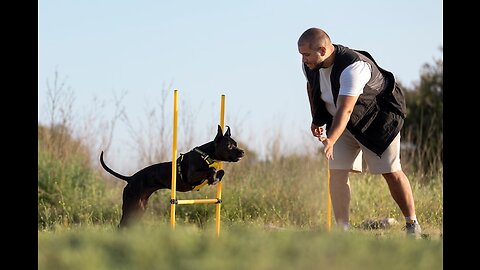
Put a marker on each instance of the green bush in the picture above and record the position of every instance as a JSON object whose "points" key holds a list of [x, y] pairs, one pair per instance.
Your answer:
{"points": [[69, 190]]}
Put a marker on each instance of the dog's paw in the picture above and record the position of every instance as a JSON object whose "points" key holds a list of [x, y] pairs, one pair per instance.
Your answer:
{"points": [[220, 174], [214, 182], [217, 177]]}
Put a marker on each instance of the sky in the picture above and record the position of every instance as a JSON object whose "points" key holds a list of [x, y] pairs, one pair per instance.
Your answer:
{"points": [[245, 50]]}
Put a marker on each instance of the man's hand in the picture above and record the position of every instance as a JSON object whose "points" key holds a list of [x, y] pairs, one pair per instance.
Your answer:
{"points": [[316, 131], [320, 133], [327, 147]]}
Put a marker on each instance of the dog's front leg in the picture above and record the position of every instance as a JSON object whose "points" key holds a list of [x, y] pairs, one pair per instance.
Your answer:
{"points": [[215, 176]]}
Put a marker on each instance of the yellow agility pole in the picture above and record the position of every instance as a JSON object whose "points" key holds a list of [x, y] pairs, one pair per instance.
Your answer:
{"points": [[329, 201], [198, 201], [220, 166], [174, 159], [173, 200]]}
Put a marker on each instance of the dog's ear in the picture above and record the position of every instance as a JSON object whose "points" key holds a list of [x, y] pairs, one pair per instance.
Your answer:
{"points": [[219, 134], [227, 133]]}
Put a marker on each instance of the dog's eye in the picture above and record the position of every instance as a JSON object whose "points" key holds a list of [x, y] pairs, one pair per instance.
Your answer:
{"points": [[230, 147]]}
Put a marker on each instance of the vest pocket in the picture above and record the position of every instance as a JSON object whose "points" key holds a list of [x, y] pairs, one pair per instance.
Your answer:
{"points": [[360, 121], [377, 123], [371, 118], [381, 127]]}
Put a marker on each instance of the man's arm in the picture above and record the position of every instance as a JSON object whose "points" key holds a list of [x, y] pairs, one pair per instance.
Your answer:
{"points": [[310, 97], [316, 130], [345, 106]]}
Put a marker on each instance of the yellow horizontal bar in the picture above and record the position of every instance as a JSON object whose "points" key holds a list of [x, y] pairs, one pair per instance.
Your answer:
{"points": [[197, 201]]}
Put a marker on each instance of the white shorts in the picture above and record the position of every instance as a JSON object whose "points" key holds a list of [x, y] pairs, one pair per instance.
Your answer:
{"points": [[349, 154]]}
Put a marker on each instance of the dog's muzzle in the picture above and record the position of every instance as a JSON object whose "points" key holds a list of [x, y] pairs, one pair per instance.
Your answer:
{"points": [[238, 155]]}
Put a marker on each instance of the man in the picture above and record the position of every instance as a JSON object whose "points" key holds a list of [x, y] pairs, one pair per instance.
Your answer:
{"points": [[361, 110]]}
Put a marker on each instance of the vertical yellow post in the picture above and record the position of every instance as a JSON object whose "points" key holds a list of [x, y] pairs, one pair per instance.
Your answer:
{"points": [[329, 201], [174, 159], [220, 166]]}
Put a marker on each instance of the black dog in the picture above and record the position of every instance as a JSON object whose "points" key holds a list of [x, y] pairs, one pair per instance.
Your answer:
{"points": [[194, 169]]}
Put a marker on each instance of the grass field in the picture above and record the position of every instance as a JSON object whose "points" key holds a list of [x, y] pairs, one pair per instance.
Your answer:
{"points": [[273, 216], [238, 247]]}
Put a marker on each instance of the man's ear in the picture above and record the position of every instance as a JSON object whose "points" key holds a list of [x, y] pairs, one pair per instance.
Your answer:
{"points": [[227, 133], [219, 134], [323, 51]]}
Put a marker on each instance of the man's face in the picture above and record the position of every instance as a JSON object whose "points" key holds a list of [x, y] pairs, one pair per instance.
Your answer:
{"points": [[312, 58]]}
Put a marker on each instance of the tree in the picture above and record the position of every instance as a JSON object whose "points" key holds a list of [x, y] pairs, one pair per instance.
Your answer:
{"points": [[424, 122]]}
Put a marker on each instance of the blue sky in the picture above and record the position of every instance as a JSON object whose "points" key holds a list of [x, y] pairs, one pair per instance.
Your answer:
{"points": [[243, 49]]}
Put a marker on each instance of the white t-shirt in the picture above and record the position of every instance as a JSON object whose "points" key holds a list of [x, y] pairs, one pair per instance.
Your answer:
{"points": [[352, 81]]}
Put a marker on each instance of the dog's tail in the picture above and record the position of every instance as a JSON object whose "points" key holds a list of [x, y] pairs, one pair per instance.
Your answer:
{"points": [[126, 178]]}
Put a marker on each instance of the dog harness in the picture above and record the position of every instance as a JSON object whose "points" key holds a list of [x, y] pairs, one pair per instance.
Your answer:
{"points": [[211, 163]]}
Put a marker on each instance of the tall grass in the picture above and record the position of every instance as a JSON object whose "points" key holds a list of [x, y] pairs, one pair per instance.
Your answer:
{"points": [[287, 192], [69, 190]]}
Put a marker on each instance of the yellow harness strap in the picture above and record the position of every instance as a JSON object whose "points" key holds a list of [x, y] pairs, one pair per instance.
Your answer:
{"points": [[205, 181], [210, 162]]}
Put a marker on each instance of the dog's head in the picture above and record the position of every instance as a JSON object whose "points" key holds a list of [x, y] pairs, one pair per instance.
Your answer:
{"points": [[226, 148]]}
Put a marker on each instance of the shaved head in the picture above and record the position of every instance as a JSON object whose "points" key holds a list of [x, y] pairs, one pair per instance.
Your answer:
{"points": [[315, 38], [316, 48]]}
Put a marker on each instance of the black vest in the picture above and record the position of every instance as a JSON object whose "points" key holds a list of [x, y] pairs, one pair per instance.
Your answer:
{"points": [[379, 113]]}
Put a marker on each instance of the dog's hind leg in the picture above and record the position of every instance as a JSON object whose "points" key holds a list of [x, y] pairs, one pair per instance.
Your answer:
{"points": [[133, 207]]}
